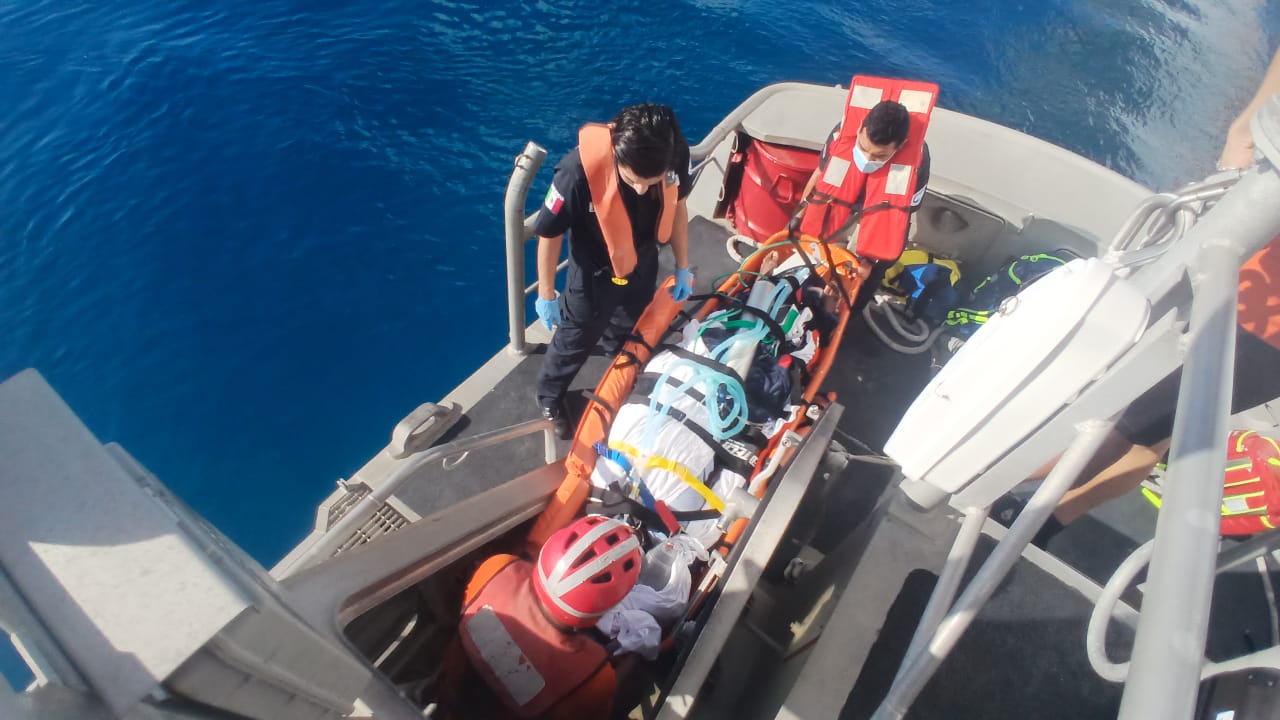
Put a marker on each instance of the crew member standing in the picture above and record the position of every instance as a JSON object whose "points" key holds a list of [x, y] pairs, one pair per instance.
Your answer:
{"points": [[873, 173], [617, 196]]}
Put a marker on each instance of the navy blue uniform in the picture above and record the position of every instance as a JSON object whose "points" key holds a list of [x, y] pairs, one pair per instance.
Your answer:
{"points": [[592, 305]]}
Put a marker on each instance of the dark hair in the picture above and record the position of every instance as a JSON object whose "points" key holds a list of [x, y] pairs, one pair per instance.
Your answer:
{"points": [[645, 138], [887, 123]]}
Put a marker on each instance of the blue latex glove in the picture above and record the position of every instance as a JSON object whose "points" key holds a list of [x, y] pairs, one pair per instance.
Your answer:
{"points": [[684, 285], [548, 311]]}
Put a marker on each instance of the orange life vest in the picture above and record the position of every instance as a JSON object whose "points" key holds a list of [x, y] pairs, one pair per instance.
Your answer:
{"points": [[886, 193], [533, 666], [595, 147], [1259, 308]]}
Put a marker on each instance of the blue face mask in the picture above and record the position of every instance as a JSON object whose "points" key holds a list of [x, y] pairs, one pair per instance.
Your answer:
{"points": [[864, 165]]}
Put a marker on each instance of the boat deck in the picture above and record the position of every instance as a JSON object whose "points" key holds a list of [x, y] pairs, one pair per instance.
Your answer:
{"points": [[1023, 656]]}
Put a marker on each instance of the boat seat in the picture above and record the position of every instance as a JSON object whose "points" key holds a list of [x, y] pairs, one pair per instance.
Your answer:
{"points": [[1022, 368], [776, 120]]}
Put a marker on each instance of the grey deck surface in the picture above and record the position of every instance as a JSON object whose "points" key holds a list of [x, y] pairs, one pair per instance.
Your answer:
{"points": [[1024, 655], [511, 399]]}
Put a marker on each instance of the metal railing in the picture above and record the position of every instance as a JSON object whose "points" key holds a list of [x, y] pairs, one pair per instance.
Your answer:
{"points": [[931, 645], [519, 230], [1169, 649], [1168, 655]]}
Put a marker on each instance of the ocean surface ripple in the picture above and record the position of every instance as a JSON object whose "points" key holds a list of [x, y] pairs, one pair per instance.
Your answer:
{"points": [[244, 240]]}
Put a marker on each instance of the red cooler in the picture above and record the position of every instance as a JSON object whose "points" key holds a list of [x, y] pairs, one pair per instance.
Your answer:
{"points": [[773, 179]]}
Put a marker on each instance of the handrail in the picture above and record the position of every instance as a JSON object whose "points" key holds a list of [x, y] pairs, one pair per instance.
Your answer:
{"points": [[339, 533], [1100, 620], [518, 231], [928, 653], [1168, 651]]}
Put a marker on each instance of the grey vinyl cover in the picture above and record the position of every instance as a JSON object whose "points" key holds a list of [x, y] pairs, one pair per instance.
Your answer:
{"points": [[131, 590]]}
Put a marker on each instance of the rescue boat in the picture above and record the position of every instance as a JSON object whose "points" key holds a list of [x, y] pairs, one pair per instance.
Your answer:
{"points": [[838, 584]]}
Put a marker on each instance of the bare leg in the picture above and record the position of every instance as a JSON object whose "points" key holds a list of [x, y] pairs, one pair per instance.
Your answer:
{"points": [[1115, 480]]}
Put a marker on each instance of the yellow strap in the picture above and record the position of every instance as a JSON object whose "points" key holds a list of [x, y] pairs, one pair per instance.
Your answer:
{"points": [[680, 471], [1250, 481], [1152, 497]]}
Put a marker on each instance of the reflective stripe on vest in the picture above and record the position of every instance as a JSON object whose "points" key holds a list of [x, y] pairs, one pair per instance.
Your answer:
{"points": [[886, 206], [595, 147], [526, 660], [1249, 490]]}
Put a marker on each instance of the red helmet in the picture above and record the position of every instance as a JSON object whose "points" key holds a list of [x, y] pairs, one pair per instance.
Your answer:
{"points": [[586, 568], [1251, 486]]}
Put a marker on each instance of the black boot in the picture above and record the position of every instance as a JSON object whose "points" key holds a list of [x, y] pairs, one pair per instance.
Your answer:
{"points": [[1008, 507], [558, 414]]}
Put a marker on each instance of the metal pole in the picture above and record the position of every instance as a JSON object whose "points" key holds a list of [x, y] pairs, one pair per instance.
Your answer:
{"points": [[921, 667], [948, 584], [1169, 649], [526, 166]]}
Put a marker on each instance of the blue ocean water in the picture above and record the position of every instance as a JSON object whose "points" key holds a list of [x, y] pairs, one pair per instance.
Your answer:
{"points": [[244, 238]]}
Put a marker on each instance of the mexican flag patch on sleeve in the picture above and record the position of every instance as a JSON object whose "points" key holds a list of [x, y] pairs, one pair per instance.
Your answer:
{"points": [[554, 200]]}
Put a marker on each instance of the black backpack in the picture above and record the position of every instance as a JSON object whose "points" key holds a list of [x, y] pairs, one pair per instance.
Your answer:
{"points": [[984, 300]]}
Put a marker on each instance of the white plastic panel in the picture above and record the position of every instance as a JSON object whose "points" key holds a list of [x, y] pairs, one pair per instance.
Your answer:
{"points": [[110, 573], [136, 590], [1048, 344]]}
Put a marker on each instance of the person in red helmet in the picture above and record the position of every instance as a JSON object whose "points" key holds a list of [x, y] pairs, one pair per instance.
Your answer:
{"points": [[527, 627], [585, 569]]}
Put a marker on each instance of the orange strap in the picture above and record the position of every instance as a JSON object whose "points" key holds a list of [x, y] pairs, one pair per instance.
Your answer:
{"points": [[483, 574], [595, 147], [670, 196]]}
